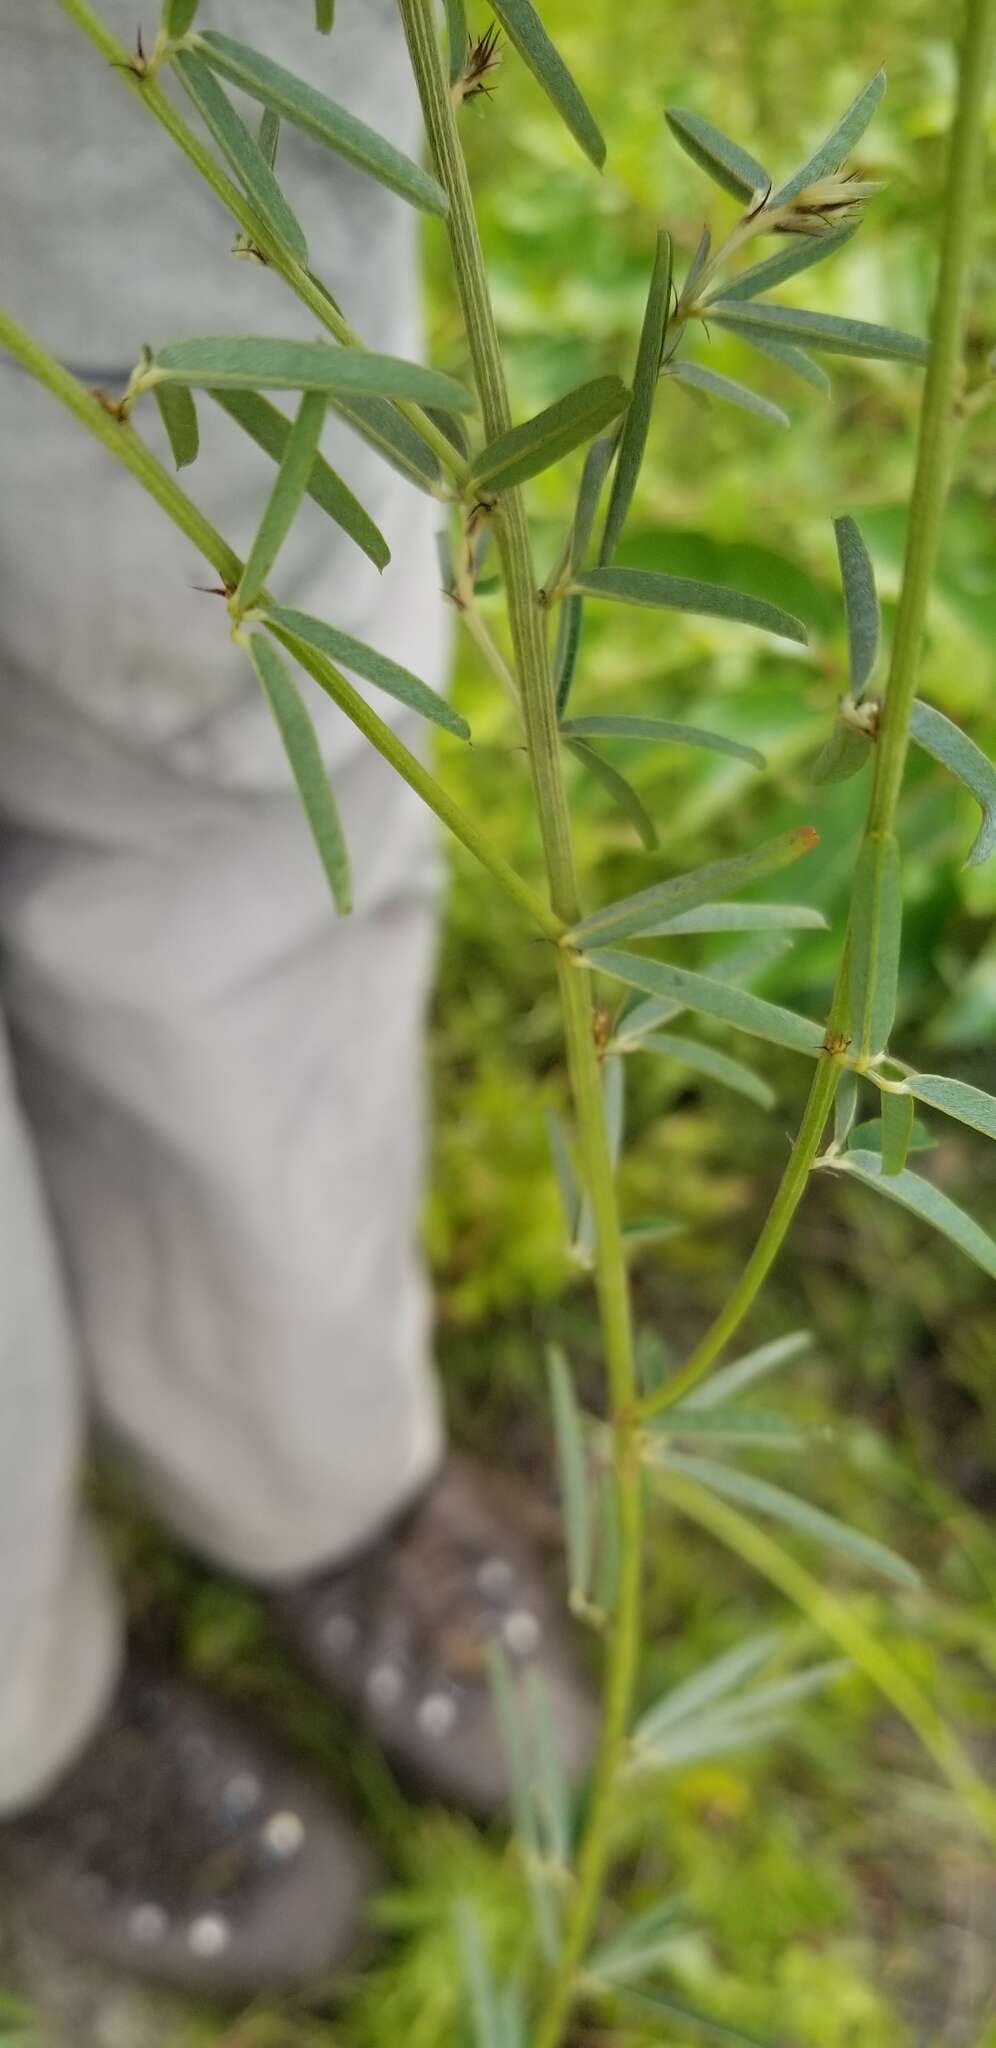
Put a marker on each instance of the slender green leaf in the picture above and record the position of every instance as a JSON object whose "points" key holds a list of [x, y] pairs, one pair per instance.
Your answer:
{"points": [[690, 2016], [516, 1746], [593, 475], [636, 425], [713, 1681], [269, 135], [790, 358], [565, 655], [386, 430], [955, 1098], [837, 145], [365, 661], [652, 1230], [572, 1467], [737, 965], [742, 917], [686, 594], [826, 331], [745, 1372], [696, 267], [698, 378], [875, 935], [478, 1982], [802, 252], [243, 152], [179, 417], [640, 1946], [563, 1165], [306, 108], [524, 451], [526, 33], [308, 768], [860, 603], [614, 1114], [704, 1059], [726, 1423], [289, 487], [178, 16], [551, 1792], [722, 160], [609, 1545], [796, 1513], [844, 754], [713, 998], [867, 1137], [255, 362], [635, 914], [953, 748], [621, 792], [924, 1200], [739, 1724], [457, 37], [270, 430], [611, 727], [897, 1131], [845, 1104], [324, 16]]}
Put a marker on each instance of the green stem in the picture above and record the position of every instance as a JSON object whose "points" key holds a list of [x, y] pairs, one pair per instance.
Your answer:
{"points": [[120, 438], [935, 442], [529, 640], [308, 288]]}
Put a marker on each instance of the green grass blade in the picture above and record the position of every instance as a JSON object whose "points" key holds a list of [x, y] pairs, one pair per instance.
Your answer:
{"points": [[639, 1947], [308, 768], [622, 792], [921, 1197], [636, 425], [179, 417], [687, 594], [242, 151], [639, 913], [860, 603], [837, 145], [742, 917], [364, 661], [897, 1131], [947, 743], [527, 35], [712, 998], [954, 1098], [803, 251], [724, 161], [251, 362], [457, 37], [524, 451], [270, 430], [745, 1372], [572, 1468], [698, 378], [794, 1512], [875, 938], [289, 487], [704, 1059], [737, 965], [477, 1979], [304, 107], [825, 331], [565, 656], [663, 730]]}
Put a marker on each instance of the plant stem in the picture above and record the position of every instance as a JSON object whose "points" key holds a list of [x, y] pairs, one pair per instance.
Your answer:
{"points": [[308, 288], [528, 628], [935, 444], [124, 444]]}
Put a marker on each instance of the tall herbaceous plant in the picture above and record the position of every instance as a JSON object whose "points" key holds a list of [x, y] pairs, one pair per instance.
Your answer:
{"points": [[618, 968]]}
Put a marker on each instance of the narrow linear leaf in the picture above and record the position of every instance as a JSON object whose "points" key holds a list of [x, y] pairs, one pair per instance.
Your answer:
{"points": [[955, 1098], [178, 15], [696, 267], [476, 1973], [611, 727], [947, 743], [179, 417], [622, 792], [634, 914], [921, 1197], [742, 917], [745, 1723], [572, 1468], [737, 965], [384, 429], [897, 1131], [270, 430], [551, 1792], [803, 251], [255, 362], [712, 998], [845, 1105], [609, 1565], [698, 378], [686, 594], [844, 754], [796, 1513], [563, 1165], [724, 161], [713, 1681], [637, 422], [745, 1372], [652, 1230], [242, 151], [860, 603], [789, 358], [307, 766], [867, 1137], [729, 1423], [306, 108], [527, 35], [269, 135], [457, 37], [825, 331], [835, 146], [614, 1115], [524, 451], [364, 661], [289, 487], [690, 2016], [593, 475], [875, 938], [704, 1059], [565, 655], [324, 16], [639, 1945], [508, 1703]]}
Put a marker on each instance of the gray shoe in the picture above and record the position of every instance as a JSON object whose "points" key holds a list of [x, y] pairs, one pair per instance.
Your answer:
{"points": [[182, 1849], [401, 1635]]}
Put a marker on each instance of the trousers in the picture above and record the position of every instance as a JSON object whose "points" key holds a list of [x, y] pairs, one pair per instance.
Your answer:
{"points": [[211, 1088]]}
